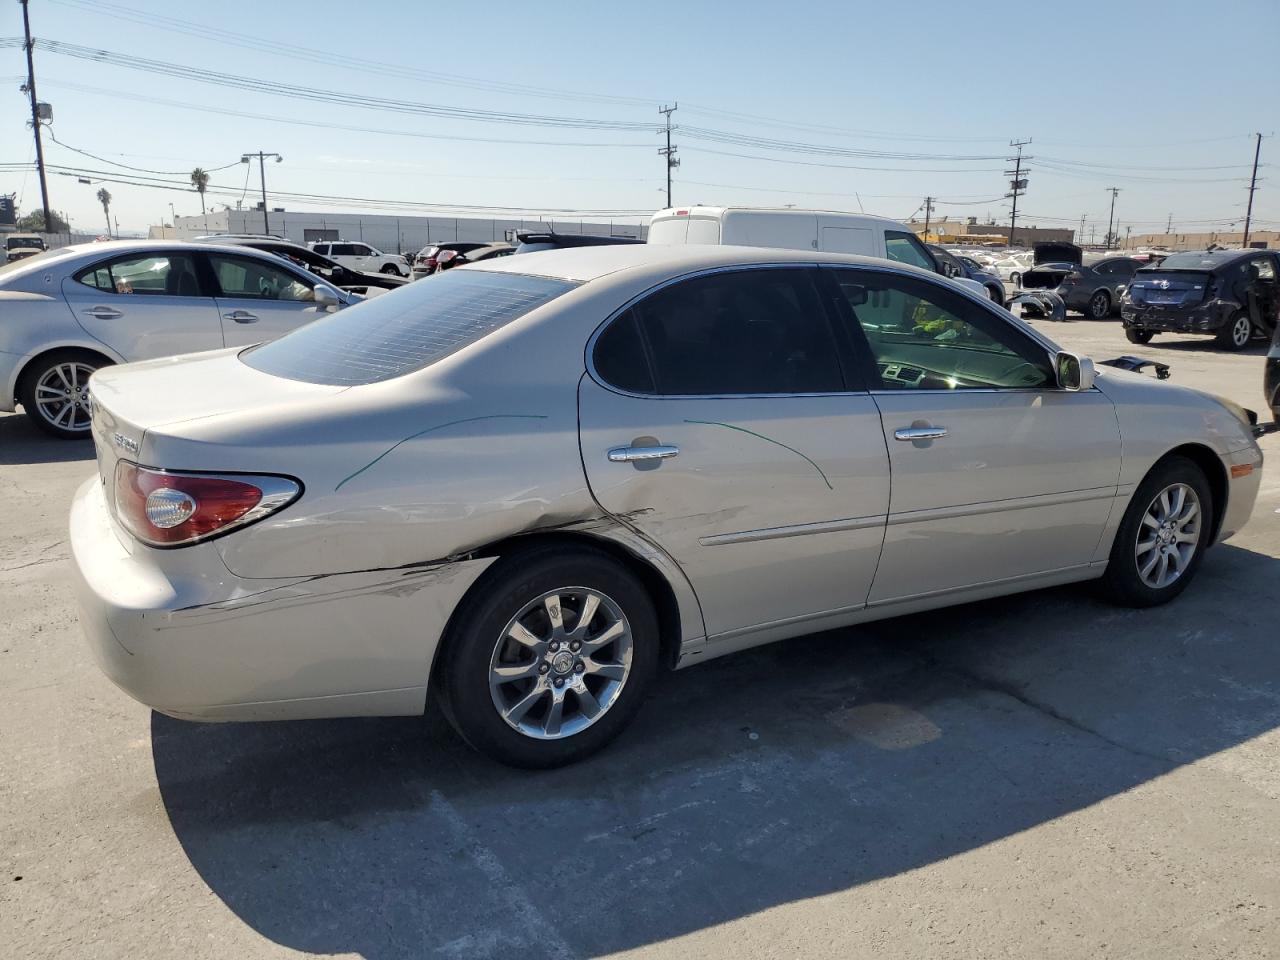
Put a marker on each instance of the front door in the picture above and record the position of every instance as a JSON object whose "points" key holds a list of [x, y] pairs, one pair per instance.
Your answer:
{"points": [[719, 422], [145, 305], [997, 473], [258, 300]]}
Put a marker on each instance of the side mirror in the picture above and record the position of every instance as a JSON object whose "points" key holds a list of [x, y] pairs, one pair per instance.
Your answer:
{"points": [[325, 297], [1075, 372]]}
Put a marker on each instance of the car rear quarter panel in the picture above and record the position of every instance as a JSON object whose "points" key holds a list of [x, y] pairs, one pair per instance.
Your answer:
{"points": [[35, 323]]}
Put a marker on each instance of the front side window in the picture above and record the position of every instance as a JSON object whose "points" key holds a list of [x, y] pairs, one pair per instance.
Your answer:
{"points": [[165, 274], [922, 337], [388, 337], [1264, 268], [906, 248], [741, 333], [242, 277]]}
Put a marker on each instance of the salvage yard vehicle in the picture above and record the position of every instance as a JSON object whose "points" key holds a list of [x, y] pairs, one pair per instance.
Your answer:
{"points": [[792, 229], [526, 487], [448, 259], [531, 242], [70, 311], [362, 257], [961, 266], [344, 278], [1094, 289], [1271, 377], [19, 246], [428, 259], [1230, 294]]}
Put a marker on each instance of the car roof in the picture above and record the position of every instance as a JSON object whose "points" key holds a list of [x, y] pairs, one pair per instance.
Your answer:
{"points": [[108, 248], [582, 264]]}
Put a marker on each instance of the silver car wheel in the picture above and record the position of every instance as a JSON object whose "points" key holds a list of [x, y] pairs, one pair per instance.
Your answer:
{"points": [[560, 663], [62, 395], [1241, 331], [1168, 535]]}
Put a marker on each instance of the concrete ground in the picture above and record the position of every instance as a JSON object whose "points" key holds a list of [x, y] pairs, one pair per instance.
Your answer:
{"points": [[1041, 777]]}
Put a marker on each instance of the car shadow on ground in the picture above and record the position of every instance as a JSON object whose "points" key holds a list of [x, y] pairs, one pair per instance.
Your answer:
{"points": [[22, 442], [788, 772]]}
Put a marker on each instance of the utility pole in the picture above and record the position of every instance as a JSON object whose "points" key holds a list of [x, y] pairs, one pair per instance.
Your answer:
{"points": [[1018, 183], [928, 212], [1253, 185], [669, 151], [1111, 218], [262, 167], [1080, 235], [35, 115], [1168, 227]]}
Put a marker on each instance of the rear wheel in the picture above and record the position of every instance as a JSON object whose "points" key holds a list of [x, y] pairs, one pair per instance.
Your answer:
{"points": [[1162, 537], [54, 392], [391, 268], [549, 656], [1236, 333], [1100, 305], [1138, 336]]}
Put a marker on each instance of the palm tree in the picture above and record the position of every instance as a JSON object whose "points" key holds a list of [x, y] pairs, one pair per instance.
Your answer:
{"points": [[200, 180], [104, 198]]}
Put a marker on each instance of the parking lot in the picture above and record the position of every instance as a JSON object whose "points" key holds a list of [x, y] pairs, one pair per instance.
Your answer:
{"points": [[1041, 776]]}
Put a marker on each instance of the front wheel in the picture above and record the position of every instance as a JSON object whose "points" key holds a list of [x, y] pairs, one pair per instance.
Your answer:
{"points": [[1162, 537], [549, 656], [1236, 333], [1138, 336], [1100, 305], [54, 393], [391, 269]]}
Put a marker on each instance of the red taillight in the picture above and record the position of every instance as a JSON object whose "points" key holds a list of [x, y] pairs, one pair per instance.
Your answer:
{"points": [[174, 509]]}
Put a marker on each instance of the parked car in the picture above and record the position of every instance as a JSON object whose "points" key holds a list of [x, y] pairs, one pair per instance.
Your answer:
{"points": [[448, 259], [353, 281], [428, 258], [526, 487], [1010, 268], [1271, 377], [959, 266], [792, 229], [1094, 289], [1230, 294], [362, 258], [530, 242], [73, 310], [19, 246]]}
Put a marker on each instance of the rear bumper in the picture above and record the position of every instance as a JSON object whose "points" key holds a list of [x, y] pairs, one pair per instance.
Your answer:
{"points": [[178, 632], [1203, 318]]}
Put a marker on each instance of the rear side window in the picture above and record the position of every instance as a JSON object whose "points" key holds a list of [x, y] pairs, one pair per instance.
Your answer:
{"points": [[164, 274], [742, 333], [390, 336]]}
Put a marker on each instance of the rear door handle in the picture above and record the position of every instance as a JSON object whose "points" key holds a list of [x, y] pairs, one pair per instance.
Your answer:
{"points": [[919, 433], [242, 316], [631, 454], [103, 313]]}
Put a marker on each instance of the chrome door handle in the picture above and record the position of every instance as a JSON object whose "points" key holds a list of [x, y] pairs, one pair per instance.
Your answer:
{"points": [[630, 454], [919, 433], [103, 313], [242, 316]]}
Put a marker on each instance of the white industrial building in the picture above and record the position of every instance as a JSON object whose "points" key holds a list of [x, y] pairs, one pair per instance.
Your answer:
{"points": [[390, 234]]}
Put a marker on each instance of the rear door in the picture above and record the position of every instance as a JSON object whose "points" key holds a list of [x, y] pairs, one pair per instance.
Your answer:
{"points": [[1264, 299], [145, 305], [259, 300], [717, 419], [997, 473]]}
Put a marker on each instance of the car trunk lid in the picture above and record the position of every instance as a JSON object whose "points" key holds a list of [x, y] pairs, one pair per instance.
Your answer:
{"points": [[1169, 288], [1058, 252]]}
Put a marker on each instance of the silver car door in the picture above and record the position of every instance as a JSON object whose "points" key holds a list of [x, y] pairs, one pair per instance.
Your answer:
{"points": [[145, 305], [997, 473], [260, 300], [717, 420]]}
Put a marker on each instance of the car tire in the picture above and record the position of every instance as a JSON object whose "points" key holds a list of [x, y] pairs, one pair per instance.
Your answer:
{"points": [[995, 293], [68, 371], [501, 693], [1173, 502], [392, 269], [1138, 336], [1015, 278], [1099, 307], [1236, 333]]}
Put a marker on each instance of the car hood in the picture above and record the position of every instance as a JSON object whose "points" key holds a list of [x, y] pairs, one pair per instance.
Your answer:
{"points": [[1163, 404], [1058, 252]]}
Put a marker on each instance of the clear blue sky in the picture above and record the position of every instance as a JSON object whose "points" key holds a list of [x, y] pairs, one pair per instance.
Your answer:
{"points": [[1122, 94]]}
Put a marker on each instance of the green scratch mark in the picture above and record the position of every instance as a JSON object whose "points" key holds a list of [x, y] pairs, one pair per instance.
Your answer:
{"points": [[776, 443], [441, 426]]}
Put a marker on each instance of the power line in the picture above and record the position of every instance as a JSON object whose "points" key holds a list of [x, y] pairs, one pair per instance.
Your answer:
{"points": [[172, 173]]}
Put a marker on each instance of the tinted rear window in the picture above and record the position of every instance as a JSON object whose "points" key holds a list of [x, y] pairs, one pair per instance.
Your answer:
{"points": [[398, 333], [1193, 261]]}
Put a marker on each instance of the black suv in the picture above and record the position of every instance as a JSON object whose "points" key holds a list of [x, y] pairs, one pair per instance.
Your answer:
{"points": [[1231, 294]]}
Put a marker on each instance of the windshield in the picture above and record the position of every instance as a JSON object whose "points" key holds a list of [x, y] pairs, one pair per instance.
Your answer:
{"points": [[399, 333], [15, 243]]}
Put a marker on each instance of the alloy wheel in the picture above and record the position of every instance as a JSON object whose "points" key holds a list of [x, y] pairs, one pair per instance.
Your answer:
{"points": [[1241, 331], [62, 395], [1100, 306], [560, 663], [1168, 535]]}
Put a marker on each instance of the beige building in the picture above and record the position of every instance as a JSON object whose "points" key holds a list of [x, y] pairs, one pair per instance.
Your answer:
{"points": [[970, 231], [1264, 239]]}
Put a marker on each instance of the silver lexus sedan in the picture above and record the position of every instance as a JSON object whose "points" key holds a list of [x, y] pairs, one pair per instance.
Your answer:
{"points": [[527, 487], [68, 312]]}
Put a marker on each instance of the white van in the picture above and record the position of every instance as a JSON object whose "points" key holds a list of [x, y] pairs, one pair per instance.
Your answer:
{"points": [[799, 230]]}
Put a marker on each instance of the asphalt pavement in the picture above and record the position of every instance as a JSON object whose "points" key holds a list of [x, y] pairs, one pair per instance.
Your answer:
{"points": [[1043, 776]]}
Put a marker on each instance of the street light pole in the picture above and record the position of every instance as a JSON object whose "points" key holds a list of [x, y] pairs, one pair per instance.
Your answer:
{"points": [[262, 168]]}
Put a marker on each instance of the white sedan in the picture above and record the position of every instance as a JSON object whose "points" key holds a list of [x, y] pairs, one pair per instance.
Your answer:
{"points": [[528, 486]]}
